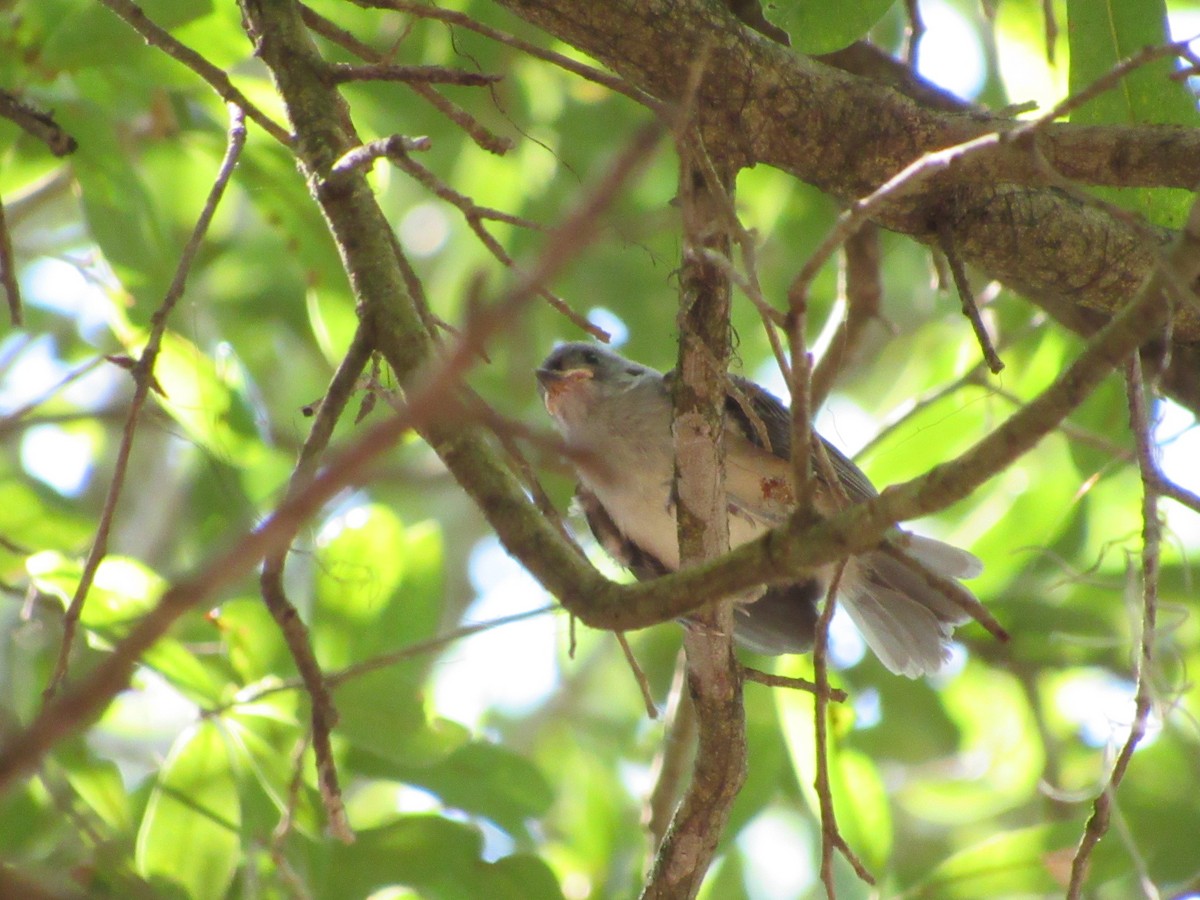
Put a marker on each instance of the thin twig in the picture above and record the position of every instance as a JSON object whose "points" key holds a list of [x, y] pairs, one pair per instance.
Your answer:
{"points": [[1179, 494], [8, 272], [638, 675], [384, 660], [291, 626], [864, 295], [475, 130], [143, 376], [786, 681], [390, 147], [40, 125], [801, 389], [831, 837], [14, 419], [216, 78], [493, 143], [1050, 29], [342, 73], [967, 297], [673, 760], [913, 32], [1105, 82], [1097, 825], [283, 827], [475, 216]]}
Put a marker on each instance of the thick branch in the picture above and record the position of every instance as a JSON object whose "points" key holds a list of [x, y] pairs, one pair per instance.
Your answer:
{"points": [[847, 135]]}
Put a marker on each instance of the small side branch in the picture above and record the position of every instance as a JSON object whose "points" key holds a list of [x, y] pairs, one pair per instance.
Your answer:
{"points": [[831, 837], [1102, 807], [864, 295], [342, 73], [8, 272], [159, 37], [969, 307], [36, 123]]}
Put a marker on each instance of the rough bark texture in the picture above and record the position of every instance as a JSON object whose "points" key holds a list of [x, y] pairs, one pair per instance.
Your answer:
{"points": [[760, 102]]}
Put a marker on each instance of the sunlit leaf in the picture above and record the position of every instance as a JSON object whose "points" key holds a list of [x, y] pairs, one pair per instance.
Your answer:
{"points": [[189, 835], [1105, 34]]}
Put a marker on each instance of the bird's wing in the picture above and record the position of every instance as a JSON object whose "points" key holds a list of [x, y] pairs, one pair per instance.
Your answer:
{"points": [[642, 564]]}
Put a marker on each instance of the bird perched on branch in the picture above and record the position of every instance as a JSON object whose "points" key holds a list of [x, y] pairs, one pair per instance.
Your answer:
{"points": [[615, 417]]}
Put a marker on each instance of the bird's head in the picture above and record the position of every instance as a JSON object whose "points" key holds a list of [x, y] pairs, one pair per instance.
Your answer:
{"points": [[576, 377]]}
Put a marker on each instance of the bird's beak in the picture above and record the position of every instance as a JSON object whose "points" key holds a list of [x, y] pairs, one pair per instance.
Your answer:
{"points": [[553, 384]]}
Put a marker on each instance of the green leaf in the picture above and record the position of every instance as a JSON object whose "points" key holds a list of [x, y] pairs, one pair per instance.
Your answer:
{"points": [[362, 561], [518, 877], [383, 713], [1102, 34], [207, 401], [122, 592], [816, 26], [423, 851], [489, 780], [378, 586], [88, 34], [189, 835]]}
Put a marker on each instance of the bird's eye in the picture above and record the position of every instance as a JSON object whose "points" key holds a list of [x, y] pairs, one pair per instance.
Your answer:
{"points": [[591, 357]]}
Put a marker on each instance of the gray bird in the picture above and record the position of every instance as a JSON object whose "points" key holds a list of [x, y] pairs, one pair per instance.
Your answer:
{"points": [[615, 417]]}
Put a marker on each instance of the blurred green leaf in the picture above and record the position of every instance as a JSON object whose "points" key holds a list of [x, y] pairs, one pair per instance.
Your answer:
{"points": [[817, 27], [488, 780], [189, 835], [88, 34], [1006, 865], [1105, 34], [426, 852]]}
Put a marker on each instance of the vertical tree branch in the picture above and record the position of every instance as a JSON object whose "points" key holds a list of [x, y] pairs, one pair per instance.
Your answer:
{"points": [[864, 293], [8, 273], [291, 626], [1097, 825], [713, 676]]}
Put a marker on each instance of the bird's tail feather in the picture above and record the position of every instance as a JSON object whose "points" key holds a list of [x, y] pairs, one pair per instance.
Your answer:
{"points": [[906, 602]]}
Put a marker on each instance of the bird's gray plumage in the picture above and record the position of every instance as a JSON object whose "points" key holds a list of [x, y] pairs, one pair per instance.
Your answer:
{"points": [[615, 415]]}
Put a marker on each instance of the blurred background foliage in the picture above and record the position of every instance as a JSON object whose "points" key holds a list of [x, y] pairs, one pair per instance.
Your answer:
{"points": [[505, 764]]}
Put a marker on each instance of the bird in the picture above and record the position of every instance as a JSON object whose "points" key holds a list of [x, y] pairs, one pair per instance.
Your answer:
{"points": [[614, 416]]}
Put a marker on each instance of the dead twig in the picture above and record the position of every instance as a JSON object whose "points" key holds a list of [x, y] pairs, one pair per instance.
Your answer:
{"points": [[452, 17], [864, 296], [483, 138], [390, 147], [796, 684]]}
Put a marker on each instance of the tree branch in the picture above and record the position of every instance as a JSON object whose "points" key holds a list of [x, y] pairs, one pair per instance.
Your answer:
{"points": [[713, 675], [844, 135]]}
